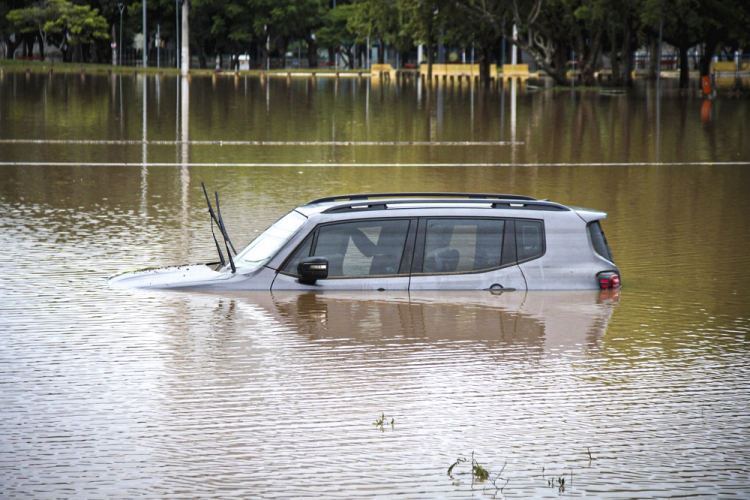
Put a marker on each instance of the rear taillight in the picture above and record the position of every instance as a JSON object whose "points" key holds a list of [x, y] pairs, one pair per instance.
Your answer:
{"points": [[609, 280]]}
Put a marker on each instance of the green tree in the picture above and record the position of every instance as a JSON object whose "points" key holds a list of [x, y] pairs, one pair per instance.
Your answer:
{"points": [[545, 34], [483, 31], [7, 28], [234, 26], [32, 21], [426, 21], [553, 32], [683, 27], [291, 19], [613, 26], [63, 24], [336, 35], [377, 20]]}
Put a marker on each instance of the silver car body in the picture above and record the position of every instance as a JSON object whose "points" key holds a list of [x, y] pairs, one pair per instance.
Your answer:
{"points": [[562, 257]]}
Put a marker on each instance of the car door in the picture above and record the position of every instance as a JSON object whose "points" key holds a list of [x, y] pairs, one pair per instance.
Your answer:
{"points": [[465, 253], [365, 254]]}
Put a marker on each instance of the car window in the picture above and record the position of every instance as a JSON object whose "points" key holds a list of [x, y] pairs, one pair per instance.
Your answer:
{"points": [[302, 252], [529, 239], [600, 241], [358, 248], [462, 245]]}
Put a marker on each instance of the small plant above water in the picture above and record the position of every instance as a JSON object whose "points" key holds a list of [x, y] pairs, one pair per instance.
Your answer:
{"points": [[479, 473], [558, 482], [381, 422]]}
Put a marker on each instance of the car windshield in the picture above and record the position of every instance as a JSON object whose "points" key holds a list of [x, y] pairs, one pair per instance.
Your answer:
{"points": [[265, 246]]}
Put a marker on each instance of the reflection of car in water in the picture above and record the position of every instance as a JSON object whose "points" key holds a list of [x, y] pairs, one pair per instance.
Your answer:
{"points": [[545, 321], [409, 241]]}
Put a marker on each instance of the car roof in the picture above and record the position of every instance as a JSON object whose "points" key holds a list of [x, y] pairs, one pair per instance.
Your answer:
{"points": [[435, 200]]}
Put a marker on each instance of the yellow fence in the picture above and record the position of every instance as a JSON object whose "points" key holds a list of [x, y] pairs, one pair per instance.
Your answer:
{"points": [[721, 67], [385, 70], [511, 71], [456, 70], [728, 76], [729, 67]]}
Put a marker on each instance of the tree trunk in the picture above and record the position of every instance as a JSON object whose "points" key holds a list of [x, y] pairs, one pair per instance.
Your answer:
{"points": [[381, 52], [11, 46], [202, 62], [627, 58], [264, 57], [707, 56], [560, 66], [404, 58], [346, 55], [614, 59], [484, 64], [581, 53], [684, 70], [105, 51], [589, 56], [65, 51], [40, 42], [497, 51], [556, 70], [77, 53], [281, 46], [654, 64], [312, 52], [430, 47], [28, 48]]}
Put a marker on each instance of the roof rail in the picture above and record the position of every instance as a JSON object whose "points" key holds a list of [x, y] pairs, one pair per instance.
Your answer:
{"points": [[517, 204], [531, 205], [368, 196]]}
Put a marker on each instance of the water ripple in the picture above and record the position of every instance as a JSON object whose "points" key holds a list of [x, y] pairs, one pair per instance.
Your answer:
{"points": [[117, 393]]}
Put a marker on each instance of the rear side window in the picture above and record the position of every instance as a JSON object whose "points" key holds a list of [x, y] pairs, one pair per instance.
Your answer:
{"points": [[462, 245], [600, 241], [529, 239]]}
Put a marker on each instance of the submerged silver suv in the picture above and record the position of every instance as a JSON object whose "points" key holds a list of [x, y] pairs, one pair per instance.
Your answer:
{"points": [[408, 241]]}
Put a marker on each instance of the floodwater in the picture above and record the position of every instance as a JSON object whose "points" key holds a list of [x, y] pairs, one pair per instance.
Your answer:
{"points": [[641, 393]]}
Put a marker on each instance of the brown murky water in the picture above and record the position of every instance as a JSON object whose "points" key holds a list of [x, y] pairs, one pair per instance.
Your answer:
{"points": [[116, 393]]}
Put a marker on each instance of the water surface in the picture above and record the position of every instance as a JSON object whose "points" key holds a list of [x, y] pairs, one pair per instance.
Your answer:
{"points": [[117, 393]]}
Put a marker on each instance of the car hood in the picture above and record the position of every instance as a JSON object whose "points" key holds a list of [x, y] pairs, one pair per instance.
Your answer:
{"points": [[186, 276]]}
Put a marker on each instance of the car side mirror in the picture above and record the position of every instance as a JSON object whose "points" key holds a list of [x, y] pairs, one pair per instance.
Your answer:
{"points": [[312, 269]]}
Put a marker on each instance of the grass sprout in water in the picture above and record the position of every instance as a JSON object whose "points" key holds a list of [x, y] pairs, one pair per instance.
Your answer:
{"points": [[559, 482], [381, 422], [479, 473]]}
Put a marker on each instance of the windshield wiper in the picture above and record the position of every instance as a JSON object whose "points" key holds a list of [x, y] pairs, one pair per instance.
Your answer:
{"points": [[220, 222]]}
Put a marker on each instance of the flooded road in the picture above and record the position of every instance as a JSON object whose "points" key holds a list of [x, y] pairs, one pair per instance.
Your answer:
{"points": [[123, 393]]}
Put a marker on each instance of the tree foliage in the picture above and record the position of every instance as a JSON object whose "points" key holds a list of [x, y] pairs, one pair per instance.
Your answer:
{"points": [[61, 23], [557, 34]]}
